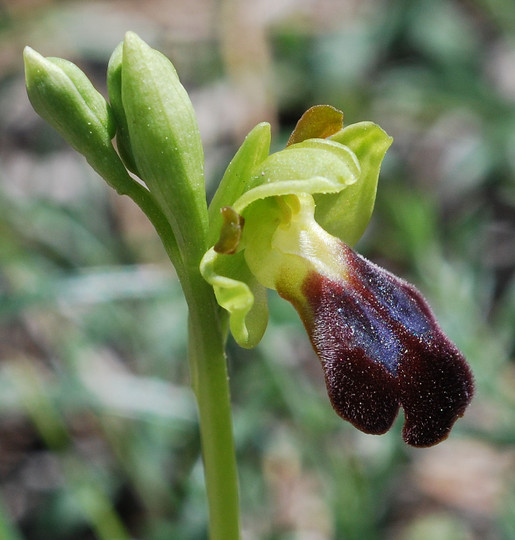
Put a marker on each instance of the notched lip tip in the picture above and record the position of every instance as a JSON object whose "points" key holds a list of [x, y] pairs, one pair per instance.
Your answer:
{"points": [[426, 443]]}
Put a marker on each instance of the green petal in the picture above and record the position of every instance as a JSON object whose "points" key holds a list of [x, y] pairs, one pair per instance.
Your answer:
{"points": [[346, 214], [237, 290], [237, 177]]}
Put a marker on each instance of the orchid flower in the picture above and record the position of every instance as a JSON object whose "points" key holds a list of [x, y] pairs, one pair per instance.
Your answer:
{"points": [[286, 221]]}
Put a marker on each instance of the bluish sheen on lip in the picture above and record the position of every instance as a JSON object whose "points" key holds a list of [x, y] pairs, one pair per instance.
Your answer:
{"points": [[383, 289], [358, 324]]}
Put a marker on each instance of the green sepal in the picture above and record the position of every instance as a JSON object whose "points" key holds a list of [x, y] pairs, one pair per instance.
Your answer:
{"points": [[238, 291], [346, 214], [165, 141], [63, 96], [114, 89], [238, 176]]}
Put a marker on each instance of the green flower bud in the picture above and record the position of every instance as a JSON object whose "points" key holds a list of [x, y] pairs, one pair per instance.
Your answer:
{"points": [[62, 94], [164, 140]]}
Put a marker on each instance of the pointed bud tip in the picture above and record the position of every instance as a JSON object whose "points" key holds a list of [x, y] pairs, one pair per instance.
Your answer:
{"points": [[133, 42], [39, 67], [31, 58], [131, 36], [27, 51]]}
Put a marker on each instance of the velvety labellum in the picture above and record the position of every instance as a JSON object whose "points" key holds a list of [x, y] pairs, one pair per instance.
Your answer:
{"points": [[381, 348]]}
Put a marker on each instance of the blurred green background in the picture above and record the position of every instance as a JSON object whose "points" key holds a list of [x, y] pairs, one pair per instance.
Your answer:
{"points": [[98, 432]]}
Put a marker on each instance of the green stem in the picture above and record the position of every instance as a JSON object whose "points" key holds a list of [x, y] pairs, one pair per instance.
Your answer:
{"points": [[207, 362], [211, 386], [210, 383], [209, 379]]}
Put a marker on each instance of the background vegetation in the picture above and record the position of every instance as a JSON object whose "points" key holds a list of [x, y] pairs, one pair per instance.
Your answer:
{"points": [[98, 434]]}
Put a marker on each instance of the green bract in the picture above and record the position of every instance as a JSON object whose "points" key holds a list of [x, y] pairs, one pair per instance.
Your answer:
{"points": [[283, 232]]}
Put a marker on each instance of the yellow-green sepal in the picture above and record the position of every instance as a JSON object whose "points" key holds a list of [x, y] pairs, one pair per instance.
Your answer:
{"points": [[311, 166], [347, 213], [224, 266]]}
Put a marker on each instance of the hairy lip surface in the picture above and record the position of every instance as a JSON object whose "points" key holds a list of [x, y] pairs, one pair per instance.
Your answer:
{"points": [[381, 348]]}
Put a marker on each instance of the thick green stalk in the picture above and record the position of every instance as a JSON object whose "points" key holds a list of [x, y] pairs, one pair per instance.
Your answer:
{"points": [[209, 379], [210, 383]]}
